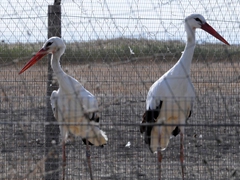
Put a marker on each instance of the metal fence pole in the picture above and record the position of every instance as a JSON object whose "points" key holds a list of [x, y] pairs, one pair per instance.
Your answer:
{"points": [[52, 131]]}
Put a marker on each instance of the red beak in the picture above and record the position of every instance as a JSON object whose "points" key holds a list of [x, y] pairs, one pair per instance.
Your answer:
{"points": [[40, 54], [206, 27]]}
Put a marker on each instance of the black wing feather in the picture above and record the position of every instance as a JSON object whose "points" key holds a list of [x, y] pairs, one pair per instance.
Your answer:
{"points": [[94, 118], [150, 117]]}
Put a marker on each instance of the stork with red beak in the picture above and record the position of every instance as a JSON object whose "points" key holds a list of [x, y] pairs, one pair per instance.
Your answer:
{"points": [[170, 99], [74, 107]]}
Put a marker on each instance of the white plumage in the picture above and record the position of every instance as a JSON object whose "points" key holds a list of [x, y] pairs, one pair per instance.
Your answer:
{"points": [[177, 94], [73, 106], [71, 103], [170, 99]]}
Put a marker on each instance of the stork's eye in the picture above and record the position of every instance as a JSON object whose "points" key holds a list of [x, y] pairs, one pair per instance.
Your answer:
{"points": [[49, 44], [199, 20]]}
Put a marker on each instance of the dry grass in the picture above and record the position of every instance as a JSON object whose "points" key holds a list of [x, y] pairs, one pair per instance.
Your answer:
{"points": [[114, 50], [128, 78], [211, 152]]}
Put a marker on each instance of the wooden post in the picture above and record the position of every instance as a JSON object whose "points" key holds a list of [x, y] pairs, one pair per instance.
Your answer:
{"points": [[52, 130]]}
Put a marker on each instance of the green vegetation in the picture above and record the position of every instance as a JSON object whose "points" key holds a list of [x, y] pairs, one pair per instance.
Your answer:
{"points": [[118, 50]]}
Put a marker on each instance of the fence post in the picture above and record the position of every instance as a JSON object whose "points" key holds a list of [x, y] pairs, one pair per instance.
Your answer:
{"points": [[52, 130]]}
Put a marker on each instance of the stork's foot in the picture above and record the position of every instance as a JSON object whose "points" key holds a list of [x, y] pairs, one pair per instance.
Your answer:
{"points": [[63, 159], [88, 156], [183, 170], [182, 174], [181, 154], [159, 157]]}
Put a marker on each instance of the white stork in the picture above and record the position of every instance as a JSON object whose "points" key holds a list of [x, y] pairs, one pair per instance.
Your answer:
{"points": [[72, 104], [170, 99]]}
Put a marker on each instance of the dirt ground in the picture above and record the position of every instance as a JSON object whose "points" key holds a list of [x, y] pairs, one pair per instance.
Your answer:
{"points": [[212, 142]]}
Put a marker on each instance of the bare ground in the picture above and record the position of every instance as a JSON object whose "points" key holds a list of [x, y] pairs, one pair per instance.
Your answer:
{"points": [[212, 143]]}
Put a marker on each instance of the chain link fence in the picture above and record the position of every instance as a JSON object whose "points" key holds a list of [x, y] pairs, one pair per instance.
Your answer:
{"points": [[117, 50]]}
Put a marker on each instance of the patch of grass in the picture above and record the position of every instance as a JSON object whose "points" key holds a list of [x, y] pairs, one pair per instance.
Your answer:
{"points": [[113, 50]]}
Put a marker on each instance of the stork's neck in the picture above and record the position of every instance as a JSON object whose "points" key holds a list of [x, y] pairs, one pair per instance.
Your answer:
{"points": [[55, 63], [185, 61]]}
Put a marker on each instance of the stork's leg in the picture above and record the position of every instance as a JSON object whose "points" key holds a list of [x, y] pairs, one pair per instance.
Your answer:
{"points": [[181, 154], [88, 155], [159, 156], [63, 159]]}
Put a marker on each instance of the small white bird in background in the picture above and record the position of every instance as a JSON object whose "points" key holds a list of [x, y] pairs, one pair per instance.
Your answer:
{"points": [[128, 144], [170, 99], [73, 106], [131, 51]]}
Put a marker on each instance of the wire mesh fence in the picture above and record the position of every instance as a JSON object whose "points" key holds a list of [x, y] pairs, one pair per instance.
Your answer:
{"points": [[117, 50]]}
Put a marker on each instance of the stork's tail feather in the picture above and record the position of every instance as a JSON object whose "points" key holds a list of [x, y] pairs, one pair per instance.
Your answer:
{"points": [[161, 135], [97, 137], [85, 142], [165, 132], [90, 133]]}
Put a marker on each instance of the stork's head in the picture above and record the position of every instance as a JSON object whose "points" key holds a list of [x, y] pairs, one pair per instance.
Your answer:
{"points": [[52, 45], [194, 21]]}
